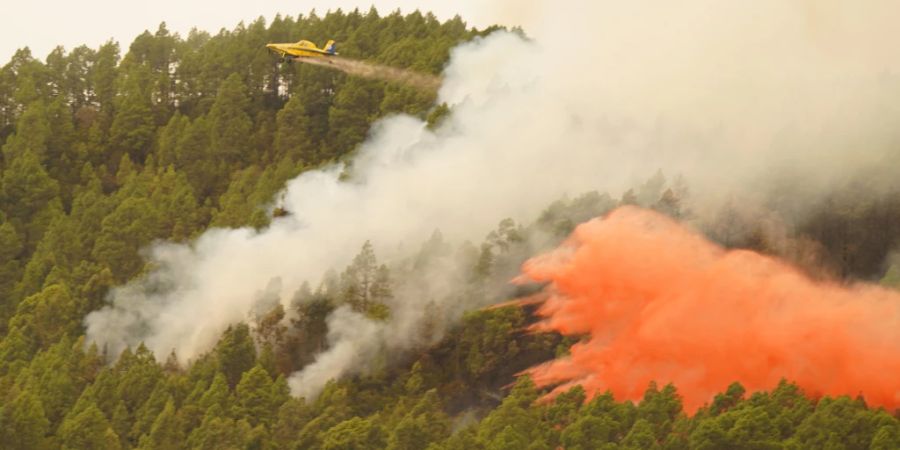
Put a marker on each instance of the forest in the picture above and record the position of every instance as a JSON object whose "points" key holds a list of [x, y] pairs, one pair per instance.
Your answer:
{"points": [[106, 151]]}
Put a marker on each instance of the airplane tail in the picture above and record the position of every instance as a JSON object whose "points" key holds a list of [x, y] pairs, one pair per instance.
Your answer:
{"points": [[330, 48]]}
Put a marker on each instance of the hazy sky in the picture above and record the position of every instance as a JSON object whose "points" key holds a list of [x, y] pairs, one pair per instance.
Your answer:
{"points": [[43, 25]]}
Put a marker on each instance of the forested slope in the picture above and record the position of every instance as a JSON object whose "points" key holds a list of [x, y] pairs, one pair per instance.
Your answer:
{"points": [[104, 153], [106, 150]]}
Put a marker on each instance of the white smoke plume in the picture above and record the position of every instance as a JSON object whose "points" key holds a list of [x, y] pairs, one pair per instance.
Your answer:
{"points": [[366, 69], [728, 94], [353, 337]]}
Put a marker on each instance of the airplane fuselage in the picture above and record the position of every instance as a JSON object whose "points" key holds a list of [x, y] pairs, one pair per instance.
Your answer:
{"points": [[302, 49]]}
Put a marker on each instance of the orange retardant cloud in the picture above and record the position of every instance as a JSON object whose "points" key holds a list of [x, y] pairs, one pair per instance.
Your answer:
{"points": [[659, 302]]}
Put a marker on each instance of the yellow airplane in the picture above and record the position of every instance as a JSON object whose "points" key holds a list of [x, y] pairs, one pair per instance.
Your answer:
{"points": [[303, 49]]}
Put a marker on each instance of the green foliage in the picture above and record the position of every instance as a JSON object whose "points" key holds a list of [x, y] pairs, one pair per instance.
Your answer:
{"points": [[660, 408], [256, 397], [104, 153], [29, 197], [47, 316], [236, 353], [230, 126], [753, 428], [487, 342], [640, 436], [218, 433], [138, 374], [887, 436], [251, 190], [424, 424], [167, 432], [131, 226], [89, 429], [354, 434], [351, 113], [892, 277], [11, 246], [836, 423], [217, 397], [587, 432], [515, 424], [149, 411], [436, 115], [366, 286], [32, 134], [292, 138], [23, 424], [292, 416], [132, 129]]}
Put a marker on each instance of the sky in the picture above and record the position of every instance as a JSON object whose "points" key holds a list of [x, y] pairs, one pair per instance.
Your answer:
{"points": [[42, 26]]}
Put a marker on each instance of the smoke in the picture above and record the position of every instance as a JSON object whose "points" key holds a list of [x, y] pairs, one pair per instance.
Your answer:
{"points": [[353, 338], [658, 302], [729, 95], [421, 81]]}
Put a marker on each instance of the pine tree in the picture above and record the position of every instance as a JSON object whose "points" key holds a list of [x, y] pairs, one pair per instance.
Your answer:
{"points": [[139, 375], [887, 437], [10, 268], [708, 435], [424, 424], [660, 408], [31, 78], [149, 411], [292, 136], [217, 396], [133, 224], [23, 424], [587, 432], [640, 436], [32, 134], [174, 197], [316, 89], [358, 279], [167, 150], [514, 422], [64, 158], [753, 428], [102, 77], [166, 432], [206, 172], [230, 126], [219, 433], [131, 131], [255, 400], [354, 106], [354, 434], [238, 205], [47, 315], [87, 430], [29, 197], [292, 416], [236, 353]]}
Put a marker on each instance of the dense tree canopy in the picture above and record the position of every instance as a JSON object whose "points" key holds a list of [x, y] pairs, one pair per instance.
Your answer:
{"points": [[105, 151]]}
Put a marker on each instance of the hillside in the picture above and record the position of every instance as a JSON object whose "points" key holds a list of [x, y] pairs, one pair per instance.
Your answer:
{"points": [[108, 152]]}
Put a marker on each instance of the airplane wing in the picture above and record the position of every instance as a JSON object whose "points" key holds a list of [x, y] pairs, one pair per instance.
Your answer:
{"points": [[302, 49]]}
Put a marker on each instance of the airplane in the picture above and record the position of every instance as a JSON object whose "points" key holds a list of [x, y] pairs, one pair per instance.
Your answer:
{"points": [[302, 49]]}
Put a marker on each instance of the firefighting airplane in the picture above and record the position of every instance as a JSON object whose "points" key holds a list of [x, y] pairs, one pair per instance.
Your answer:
{"points": [[302, 49]]}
